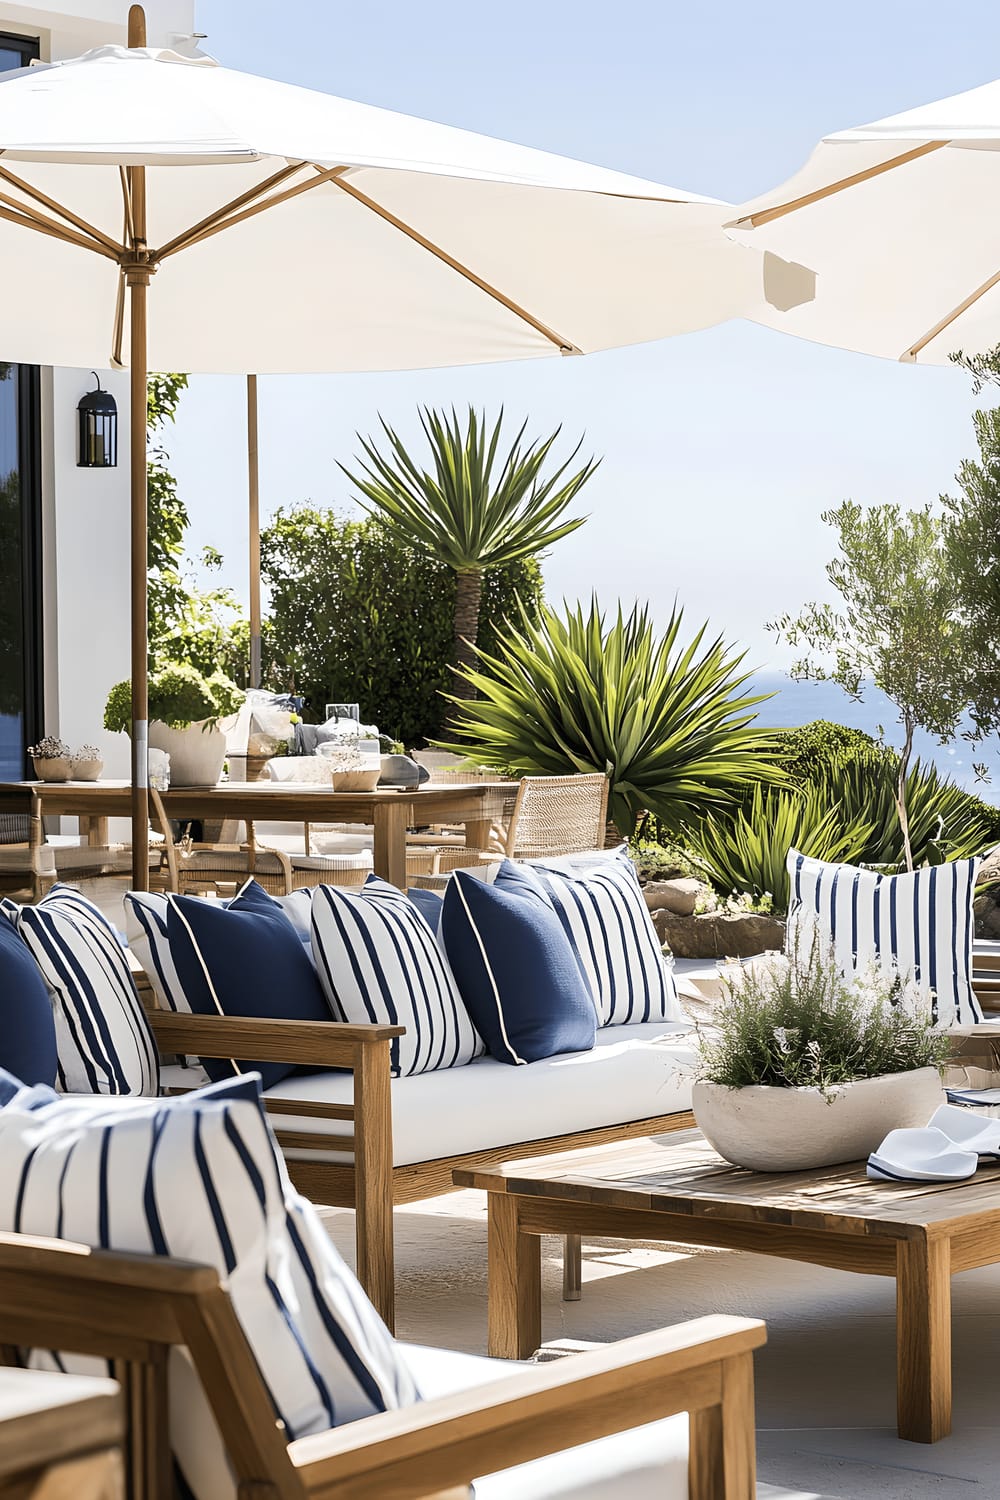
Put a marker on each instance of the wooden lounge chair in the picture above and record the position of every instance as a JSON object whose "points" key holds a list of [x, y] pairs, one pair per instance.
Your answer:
{"points": [[131, 1309]]}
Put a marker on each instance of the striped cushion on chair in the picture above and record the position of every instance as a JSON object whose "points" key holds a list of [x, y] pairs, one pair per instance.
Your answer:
{"points": [[378, 960], [200, 1178], [103, 1039], [919, 924], [605, 917]]}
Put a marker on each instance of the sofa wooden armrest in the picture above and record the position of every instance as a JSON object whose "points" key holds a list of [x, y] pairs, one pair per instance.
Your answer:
{"points": [[704, 1367], [327, 1044]]}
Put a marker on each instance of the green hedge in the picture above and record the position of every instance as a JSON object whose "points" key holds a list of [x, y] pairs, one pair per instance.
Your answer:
{"points": [[357, 617]]}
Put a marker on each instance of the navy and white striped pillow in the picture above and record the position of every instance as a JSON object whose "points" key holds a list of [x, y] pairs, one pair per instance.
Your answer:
{"points": [[606, 919], [216, 1193], [378, 960], [103, 1039], [146, 930], [919, 924]]}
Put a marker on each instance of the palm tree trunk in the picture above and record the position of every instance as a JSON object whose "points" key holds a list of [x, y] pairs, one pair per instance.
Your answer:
{"points": [[468, 593]]}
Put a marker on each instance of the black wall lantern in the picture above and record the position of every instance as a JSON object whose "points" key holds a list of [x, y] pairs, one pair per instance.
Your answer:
{"points": [[98, 414]]}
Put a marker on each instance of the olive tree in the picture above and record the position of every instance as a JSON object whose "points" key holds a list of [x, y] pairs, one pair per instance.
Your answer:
{"points": [[897, 626]]}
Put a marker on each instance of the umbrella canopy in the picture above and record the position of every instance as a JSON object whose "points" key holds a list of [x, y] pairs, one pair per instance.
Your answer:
{"points": [[896, 220], [205, 219], [297, 231]]}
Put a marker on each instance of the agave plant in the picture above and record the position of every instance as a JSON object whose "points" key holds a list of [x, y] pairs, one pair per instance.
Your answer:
{"points": [[745, 848], [668, 722], [470, 510], [945, 822]]}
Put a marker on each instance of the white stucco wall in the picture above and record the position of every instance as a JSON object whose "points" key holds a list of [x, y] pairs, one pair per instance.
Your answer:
{"points": [[85, 531], [69, 29]]}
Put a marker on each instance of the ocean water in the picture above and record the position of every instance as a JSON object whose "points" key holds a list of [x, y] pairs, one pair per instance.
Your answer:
{"points": [[796, 703]]}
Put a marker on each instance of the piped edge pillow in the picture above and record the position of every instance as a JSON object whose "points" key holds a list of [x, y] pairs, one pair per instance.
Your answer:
{"points": [[244, 959], [516, 969]]}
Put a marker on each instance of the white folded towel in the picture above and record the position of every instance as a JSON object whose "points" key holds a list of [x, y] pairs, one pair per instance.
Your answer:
{"points": [[921, 1155]]}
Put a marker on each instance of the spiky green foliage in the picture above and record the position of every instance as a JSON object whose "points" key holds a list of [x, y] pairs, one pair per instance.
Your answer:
{"points": [[668, 721], [946, 822], [745, 849], [470, 509], [466, 509]]}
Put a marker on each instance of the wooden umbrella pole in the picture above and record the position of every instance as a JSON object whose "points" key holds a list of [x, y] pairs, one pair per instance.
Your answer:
{"points": [[253, 473], [137, 273]]}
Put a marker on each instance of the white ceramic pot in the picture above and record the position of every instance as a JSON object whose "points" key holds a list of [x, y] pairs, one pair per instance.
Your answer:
{"points": [[791, 1130], [196, 753], [87, 770], [52, 767]]}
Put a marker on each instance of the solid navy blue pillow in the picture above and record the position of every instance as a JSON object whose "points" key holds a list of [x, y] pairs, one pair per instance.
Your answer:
{"points": [[428, 904], [244, 959], [516, 971], [27, 1027]]}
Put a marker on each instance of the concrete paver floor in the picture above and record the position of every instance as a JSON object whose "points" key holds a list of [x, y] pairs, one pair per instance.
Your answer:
{"points": [[826, 1388]]}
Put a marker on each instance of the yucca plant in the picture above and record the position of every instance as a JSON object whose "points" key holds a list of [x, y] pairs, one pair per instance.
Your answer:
{"points": [[669, 722], [470, 509], [745, 848]]}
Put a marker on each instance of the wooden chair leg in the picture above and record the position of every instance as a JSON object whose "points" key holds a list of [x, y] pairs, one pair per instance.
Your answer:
{"points": [[572, 1268], [148, 1461]]}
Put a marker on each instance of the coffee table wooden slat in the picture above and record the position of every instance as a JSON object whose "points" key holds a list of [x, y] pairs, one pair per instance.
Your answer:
{"points": [[676, 1188]]}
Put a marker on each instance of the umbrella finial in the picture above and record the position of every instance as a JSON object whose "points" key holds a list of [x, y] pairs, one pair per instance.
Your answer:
{"points": [[136, 26]]}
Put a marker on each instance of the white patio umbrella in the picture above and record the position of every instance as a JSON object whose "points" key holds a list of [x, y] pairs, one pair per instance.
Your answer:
{"points": [[212, 220], [898, 220]]}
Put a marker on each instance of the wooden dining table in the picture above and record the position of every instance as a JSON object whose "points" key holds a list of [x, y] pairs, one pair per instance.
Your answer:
{"points": [[389, 812]]}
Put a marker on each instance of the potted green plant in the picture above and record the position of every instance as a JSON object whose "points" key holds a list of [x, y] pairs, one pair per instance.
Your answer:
{"points": [[51, 759], [805, 1067], [185, 710]]}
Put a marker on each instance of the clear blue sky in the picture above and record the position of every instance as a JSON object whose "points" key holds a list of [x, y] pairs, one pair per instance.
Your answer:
{"points": [[720, 448]]}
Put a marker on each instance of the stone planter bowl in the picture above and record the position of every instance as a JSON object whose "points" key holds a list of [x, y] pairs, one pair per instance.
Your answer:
{"points": [[356, 781], [52, 767], [87, 770], [197, 753], [793, 1130]]}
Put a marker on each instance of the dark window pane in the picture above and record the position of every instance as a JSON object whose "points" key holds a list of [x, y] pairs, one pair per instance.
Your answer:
{"points": [[11, 592]]}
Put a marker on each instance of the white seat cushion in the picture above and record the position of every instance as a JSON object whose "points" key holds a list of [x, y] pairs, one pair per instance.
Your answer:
{"points": [[632, 1073], [645, 1463]]}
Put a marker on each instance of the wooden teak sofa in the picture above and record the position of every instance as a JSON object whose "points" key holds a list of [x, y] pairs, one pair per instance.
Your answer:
{"points": [[133, 1309], [360, 1132]]}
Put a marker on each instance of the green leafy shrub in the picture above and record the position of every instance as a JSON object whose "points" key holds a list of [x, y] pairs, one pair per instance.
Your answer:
{"points": [[668, 721], [358, 616], [745, 849], [668, 861], [796, 1022], [804, 753], [179, 696]]}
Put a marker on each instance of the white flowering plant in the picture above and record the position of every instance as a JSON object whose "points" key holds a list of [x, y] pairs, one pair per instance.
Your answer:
{"points": [[797, 1021], [50, 748]]}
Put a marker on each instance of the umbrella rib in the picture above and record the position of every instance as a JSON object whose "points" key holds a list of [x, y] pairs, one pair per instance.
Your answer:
{"points": [[227, 215], [946, 322], [27, 219], [565, 346], [58, 208], [766, 215]]}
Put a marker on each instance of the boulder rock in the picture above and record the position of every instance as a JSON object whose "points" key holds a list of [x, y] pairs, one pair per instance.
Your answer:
{"points": [[717, 935], [989, 869], [678, 896], [986, 915]]}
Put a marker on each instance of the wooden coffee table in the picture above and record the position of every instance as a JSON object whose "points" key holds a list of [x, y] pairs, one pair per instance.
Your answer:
{"points": [[677, 1188]]}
